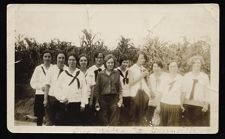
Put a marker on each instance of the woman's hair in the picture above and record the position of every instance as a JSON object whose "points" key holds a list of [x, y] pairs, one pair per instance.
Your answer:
{"points": [[171, 61], [159, 63], [46, 51], [196, 57], [97, 53], [60, 52], [72, 54], [123, 58], [109, 56], [141, 53]]}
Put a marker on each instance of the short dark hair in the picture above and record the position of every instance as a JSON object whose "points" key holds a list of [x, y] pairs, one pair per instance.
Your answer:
{"points": [[60, 52], [72, 54], [123, 58], [82, 55], [97, 53], [46, 51]]}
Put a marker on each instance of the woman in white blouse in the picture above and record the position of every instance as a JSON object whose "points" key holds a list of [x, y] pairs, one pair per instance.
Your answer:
{"points": [[124, 81], [155, 83], [170, 102], [72, 91], [195, 91], [139, 91], [83, 65], [37, 82]]}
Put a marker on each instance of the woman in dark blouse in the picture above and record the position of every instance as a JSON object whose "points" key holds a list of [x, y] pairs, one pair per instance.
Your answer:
{"points": [[108, 93]]}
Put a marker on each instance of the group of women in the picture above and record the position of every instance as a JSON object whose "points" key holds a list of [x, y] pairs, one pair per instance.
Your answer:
{"points": [[127, 95]]}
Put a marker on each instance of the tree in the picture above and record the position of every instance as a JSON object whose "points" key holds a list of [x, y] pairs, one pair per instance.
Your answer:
{"points": [[158, 50], [125, 47], [90, 44]]}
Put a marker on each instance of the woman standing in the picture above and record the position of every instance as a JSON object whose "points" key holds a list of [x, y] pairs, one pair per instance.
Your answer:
{"points": [[37, 82], [155, 83], [195, 92], [73, 91], [170, 103], [124, 81], [108, 93], [139, 91], [83, 65], [92, 74], [54, 108]]}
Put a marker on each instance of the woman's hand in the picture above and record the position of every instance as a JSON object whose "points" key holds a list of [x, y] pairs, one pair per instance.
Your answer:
{"points": [[97, 106]]}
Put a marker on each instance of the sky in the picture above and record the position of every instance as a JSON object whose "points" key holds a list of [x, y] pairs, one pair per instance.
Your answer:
{"points": [[65, 22]]}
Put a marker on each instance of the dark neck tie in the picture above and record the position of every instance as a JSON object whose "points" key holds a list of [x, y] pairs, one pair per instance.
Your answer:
{"points": [[74, 77], [171, 85], [193, 89], [125, 79], [96, 73], [43, 70], [60, 71]]}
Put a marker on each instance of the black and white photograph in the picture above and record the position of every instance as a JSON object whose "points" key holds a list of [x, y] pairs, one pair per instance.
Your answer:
{"points": [[113, 68]]}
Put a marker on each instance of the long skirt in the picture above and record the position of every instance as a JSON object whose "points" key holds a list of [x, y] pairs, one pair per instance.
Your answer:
{"points": [[39, 109], [194, 116], [51, 111], [125, 111], [138, 110], [109, 111], [170, 115], [73, 114]]}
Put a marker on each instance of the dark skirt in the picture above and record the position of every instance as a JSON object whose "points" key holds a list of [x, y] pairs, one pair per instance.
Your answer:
{"points": [[39, 109], [194, 116], [170, 115], [73, 114], [138, 109], [89, 115], [109, 111], [125, 111]]}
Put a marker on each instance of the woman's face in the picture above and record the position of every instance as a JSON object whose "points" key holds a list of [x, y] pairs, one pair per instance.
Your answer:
{"points": [[196, 65], [83, 62], [61, 59], [110, 64], [141, 59], [47, 57], [125, 64], [72, 62], [156, 68], [99, 59], [173, 68]]}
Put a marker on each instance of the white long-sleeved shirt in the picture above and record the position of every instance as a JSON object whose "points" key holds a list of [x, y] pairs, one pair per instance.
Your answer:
{"points": [[155, 84], [124, 85], [171, 90], [38, 78], [201, 87], [90, 77], [52, 77], [71, 92], [134, 73]]}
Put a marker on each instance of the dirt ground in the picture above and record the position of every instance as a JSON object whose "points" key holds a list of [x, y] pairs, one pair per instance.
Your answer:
{"points": [[24, 123]]}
